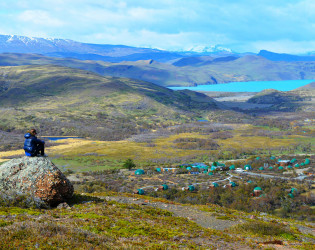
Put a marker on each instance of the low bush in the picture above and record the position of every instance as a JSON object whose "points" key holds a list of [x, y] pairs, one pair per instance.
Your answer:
{"points": [[263, 228], [13, 199], [196, 144]]}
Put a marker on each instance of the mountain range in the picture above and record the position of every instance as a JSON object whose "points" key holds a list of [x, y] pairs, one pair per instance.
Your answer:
{"points": [[117, 53], [188, 71]]}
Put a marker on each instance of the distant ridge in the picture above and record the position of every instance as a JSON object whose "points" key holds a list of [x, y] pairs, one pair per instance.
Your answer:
{"points": [[310, 86], [191, 71], [285, 57], [83, 51]]}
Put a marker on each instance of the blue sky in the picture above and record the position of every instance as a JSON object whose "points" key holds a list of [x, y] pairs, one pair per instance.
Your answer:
{"points": [[284, 26]]}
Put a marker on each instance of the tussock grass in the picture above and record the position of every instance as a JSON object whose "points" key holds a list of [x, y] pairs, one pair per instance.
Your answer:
{"points": [[263, 229], [90, 155], [105, 225]]}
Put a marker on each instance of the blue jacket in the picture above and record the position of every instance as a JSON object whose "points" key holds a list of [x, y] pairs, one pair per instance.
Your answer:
{"points": [[30, 144]]}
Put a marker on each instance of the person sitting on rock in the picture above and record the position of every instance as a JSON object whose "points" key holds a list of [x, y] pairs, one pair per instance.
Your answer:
{"points": [[32, 145]]}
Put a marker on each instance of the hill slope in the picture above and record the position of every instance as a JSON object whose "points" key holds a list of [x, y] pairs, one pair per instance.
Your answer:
{"points": [[272, 96], [188, 72], [285, 57], [69, 101], [310, 86], [287, 101]]}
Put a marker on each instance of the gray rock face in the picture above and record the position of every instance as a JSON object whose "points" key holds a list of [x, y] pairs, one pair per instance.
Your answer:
{"points": [[37, 176]]}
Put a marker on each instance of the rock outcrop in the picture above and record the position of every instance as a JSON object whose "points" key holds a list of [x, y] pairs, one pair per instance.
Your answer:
{"points": [[36, 176]]}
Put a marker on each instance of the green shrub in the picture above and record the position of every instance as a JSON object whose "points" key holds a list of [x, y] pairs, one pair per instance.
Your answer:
{"points": [[13, 199], [129, 164], [263, 228]]}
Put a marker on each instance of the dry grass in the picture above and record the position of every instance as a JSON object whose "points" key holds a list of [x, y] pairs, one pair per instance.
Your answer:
{"points": [[161, 148]]}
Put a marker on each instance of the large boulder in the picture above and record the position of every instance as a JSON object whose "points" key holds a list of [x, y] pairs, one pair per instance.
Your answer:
{"points": [[37, 176]]}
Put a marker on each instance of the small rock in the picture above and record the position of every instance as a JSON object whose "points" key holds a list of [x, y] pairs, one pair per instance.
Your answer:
{"points": [[64, 205]]}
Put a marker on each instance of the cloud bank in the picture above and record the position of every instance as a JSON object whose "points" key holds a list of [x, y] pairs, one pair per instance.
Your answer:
{"points": [[286, 26]]}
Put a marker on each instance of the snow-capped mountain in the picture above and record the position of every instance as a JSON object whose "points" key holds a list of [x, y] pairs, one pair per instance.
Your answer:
{"points": [[84, 51], [212, 49], [23, 44]]}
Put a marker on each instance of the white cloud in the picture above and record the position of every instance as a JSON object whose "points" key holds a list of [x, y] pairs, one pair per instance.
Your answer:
{"points": [[39, 17], [244, 24], [142, 38]]}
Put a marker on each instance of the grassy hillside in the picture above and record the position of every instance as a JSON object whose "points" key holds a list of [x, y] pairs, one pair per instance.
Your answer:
{"points": [[185, 72], [310, 86], [301, 99], [272, 96], [112, 220], [67, 101]]}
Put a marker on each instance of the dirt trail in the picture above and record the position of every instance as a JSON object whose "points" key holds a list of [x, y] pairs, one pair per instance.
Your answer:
{"points": [[208, 220], [204, 219]]}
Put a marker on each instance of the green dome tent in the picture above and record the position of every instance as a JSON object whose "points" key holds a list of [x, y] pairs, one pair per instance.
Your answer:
{"points": [[280, 168], [188, 168], [210, 173], [289, 167], [302, 164], [233, 184], [272, 158], [270, 168], [261, 168], [165, 187], [258, 158], [247, 167], [215, 184], [191, 188], [249, 181], [297, 165], [293, 190], [158, 170], [293, 160], [257, 189], [291, 195], [307, 161], [213, 168], [140, 191], [232, 167], [139, 172]]}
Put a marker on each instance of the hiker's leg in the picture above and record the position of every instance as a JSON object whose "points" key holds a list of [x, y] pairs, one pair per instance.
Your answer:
{"points": [[41, 149], [36, 150]]}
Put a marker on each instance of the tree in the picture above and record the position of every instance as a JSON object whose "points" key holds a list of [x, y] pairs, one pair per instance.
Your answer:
{"points": [[129, 164]]}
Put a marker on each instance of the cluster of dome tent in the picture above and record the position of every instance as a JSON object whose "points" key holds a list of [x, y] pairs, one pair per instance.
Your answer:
{"points": [[306, 162], [290, 164], [203, 168], [257, 191]]}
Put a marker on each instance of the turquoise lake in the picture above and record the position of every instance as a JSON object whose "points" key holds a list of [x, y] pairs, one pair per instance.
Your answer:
{"points": [[249, 86], [59, 138]]}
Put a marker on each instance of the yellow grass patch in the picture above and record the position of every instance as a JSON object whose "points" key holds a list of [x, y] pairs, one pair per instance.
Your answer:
{"points": [[161, 148], [67, 146]]}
